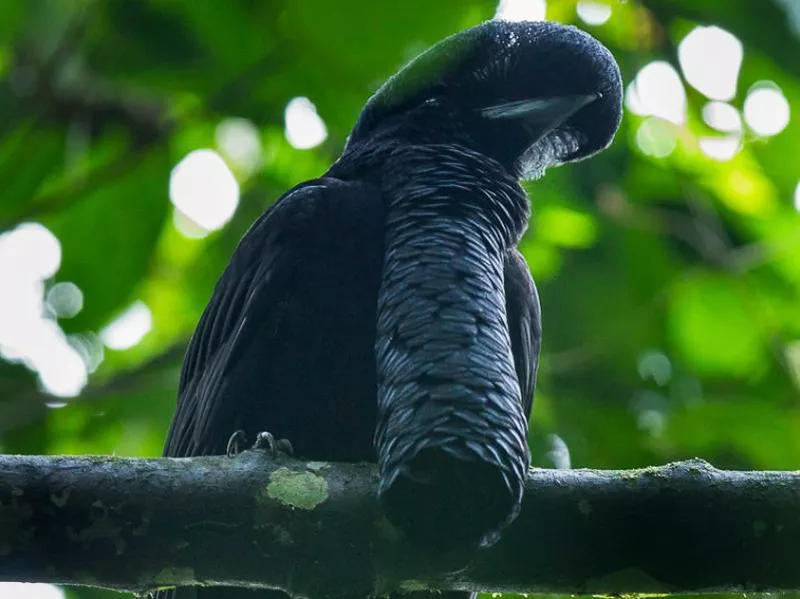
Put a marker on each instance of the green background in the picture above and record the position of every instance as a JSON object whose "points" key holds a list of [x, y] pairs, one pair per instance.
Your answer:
{"points": [[670, 286]]}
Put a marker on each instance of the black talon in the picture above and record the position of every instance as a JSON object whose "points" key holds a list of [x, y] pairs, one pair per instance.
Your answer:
{"points": [[285, 446], [265, 440], [236, 440]]}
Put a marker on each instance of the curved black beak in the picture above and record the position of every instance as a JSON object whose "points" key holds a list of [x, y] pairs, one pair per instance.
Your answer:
{"points": [[540, 116]]}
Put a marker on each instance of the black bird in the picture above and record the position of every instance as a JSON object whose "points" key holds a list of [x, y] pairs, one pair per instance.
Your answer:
{"points": [[382, 312]]}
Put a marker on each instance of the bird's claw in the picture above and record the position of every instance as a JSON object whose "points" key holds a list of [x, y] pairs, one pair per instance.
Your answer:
{"points": [[235, 442], [265, 440]]}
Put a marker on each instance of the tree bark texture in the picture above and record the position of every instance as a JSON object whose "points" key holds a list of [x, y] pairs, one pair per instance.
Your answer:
{"points": [[315, 529]]}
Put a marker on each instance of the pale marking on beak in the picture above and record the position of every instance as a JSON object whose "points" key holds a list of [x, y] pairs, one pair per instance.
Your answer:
{"points": [[552, 111]]}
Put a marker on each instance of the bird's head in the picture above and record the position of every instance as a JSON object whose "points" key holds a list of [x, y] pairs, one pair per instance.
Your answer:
{"points": [[527, 94]]}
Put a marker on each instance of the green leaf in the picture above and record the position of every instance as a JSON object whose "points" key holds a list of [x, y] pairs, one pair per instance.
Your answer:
{"points": [[108, 237], [28, 155]]}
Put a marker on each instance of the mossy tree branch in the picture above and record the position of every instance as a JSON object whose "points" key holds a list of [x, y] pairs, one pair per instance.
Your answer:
{"points": [[314, 529]]}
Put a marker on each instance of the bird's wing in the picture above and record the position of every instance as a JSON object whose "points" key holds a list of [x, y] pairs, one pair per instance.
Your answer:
{"points": [[250, 298], [524, 324]]}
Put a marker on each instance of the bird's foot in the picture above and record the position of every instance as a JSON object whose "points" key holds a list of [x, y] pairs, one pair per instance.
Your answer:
{"points": [[236, 443], [265, 440]]}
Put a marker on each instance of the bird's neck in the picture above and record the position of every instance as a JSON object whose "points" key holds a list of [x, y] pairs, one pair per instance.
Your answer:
{"points": [[458, 183], [465, 183]]}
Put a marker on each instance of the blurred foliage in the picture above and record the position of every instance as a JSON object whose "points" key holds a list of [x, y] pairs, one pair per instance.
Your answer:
{"points": [[670, 286]]}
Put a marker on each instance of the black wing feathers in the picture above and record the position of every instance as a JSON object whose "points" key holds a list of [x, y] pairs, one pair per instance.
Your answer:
{"points": [[524, 324], [286, 343], [254, 286]]}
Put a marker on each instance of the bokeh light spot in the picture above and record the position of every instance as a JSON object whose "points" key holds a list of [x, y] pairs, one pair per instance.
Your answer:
{"points": [[239, 141], [90, 347], [657, 91], [655, 365], [65, 299], [710, 58], [720, 148], [62, 371], [656, 137], [521, 10], [33, 251], [128, 328], [304, 127], [651, 412], [792, 354], [797, 197], [725, 118], [594, 13], [30, 590], [30, 254], [204, 189], [766, 110], [722, 117]]}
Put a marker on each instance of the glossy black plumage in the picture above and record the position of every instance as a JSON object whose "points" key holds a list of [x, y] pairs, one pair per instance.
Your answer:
{"points": [[451, 432], [388, 299]]}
